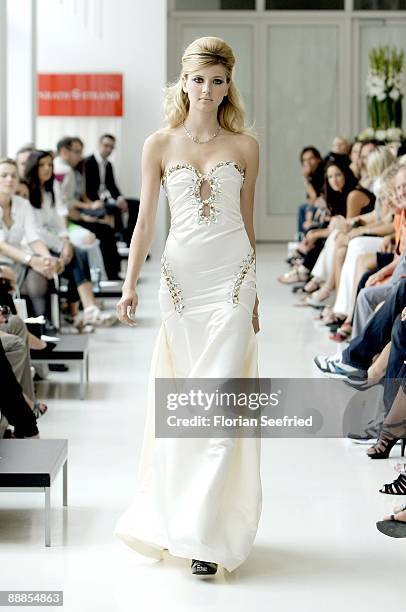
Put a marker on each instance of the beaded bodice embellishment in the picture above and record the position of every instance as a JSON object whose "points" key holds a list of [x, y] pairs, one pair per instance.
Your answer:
{"points": [[207, 204], [173, 287], [239, 276]]}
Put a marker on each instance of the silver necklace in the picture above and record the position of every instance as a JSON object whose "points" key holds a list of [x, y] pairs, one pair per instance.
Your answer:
{"points": [[201, 141]]}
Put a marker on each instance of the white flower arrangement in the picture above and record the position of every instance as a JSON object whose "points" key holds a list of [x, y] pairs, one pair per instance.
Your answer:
{"points": [[389, 135], [385, 86]]}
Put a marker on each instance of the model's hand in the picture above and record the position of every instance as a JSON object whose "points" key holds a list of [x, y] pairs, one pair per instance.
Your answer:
{"points": [[127, 306], [255, 323], [403, 315]]}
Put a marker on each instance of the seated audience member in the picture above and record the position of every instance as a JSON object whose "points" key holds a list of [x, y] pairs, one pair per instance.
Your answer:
{"points": [[355, 363], [340, 189], [51, 216], [313, 172], [101, 184], [17, 341], [339, 151], [388, 266], [355, 158], [33, 269], [14, 407], [367, 147], [353, 244], [69, 155], [21, 159]]}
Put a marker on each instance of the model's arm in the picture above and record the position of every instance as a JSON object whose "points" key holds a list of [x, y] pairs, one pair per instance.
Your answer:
{"points": [[251, 155], [144, 230]]}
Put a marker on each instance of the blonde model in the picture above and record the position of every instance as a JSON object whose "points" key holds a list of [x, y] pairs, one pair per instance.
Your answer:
{"points": [[199, 498]]}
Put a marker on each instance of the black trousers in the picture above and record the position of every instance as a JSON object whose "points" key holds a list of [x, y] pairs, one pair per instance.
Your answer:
{"points": [[108, 246], [12, 403]]}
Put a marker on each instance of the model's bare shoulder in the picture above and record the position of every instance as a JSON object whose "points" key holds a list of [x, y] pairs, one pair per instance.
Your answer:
{"points": [[156, 140], [248, 142]]}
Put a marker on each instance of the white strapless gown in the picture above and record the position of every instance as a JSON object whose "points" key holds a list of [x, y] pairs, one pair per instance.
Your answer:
{"points": [[201, 498]]}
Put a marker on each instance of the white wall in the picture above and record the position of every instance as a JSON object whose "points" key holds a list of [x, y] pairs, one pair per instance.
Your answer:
{"points": [[127, 36], [20, 77]]}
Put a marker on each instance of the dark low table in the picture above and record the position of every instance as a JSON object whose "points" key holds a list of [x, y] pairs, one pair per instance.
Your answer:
{"points": [[32, 466], [70, 349]]}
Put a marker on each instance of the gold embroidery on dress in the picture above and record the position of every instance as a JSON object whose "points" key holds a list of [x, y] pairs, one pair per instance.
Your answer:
{"points": [[173, 286], [239, 276], [214, 184]]}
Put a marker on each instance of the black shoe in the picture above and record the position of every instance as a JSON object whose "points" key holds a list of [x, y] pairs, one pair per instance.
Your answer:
{"points": [[203, 568], [58, 367], [40, 352], [382, 448]]}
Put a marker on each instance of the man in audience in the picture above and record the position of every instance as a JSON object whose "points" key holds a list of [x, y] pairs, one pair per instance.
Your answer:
{"points": [[339, 151], [388, 325], [313, 172], [88, 214], [101, 184], [21, 158]]}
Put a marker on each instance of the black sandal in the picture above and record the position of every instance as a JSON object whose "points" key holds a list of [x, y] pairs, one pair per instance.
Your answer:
{"points": [[384, 446], [203, 568], [397, 487]]}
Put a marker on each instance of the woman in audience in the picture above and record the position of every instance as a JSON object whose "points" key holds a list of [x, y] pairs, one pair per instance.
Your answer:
{"points": [[360, 234], [18, 226], [341, 194], [51, 218], [355, 159]]}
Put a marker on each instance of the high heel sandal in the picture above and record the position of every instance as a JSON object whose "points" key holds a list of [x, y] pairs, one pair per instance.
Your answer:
{"points": [[384, 446], [397, 487], [203, 569], [342, 333]]}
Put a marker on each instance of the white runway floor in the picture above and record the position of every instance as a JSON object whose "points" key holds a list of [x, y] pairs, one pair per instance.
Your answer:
{"points": [[317, 547]]}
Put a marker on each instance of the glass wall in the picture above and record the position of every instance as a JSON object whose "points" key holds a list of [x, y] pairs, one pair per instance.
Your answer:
{"points": [[379, 5], [302, 105], [303, 5], [215, 5]]}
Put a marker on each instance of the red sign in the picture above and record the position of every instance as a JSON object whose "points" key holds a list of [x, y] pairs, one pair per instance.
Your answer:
{"points": [[84, 95]]}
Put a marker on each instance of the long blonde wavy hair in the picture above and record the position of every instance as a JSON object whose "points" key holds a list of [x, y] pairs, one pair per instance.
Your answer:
{"points": [[201, 53]]}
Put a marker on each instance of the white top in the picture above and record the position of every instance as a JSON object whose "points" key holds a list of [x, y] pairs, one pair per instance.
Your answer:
{"points": [[23, 229], [102, 163], [65, 176], [51, 219]]}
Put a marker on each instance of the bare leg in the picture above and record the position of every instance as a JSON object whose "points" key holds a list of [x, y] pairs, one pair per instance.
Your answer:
{"points": [[378, 369], [35, 343], [338, 264], [85, 291], [365, 263]]}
